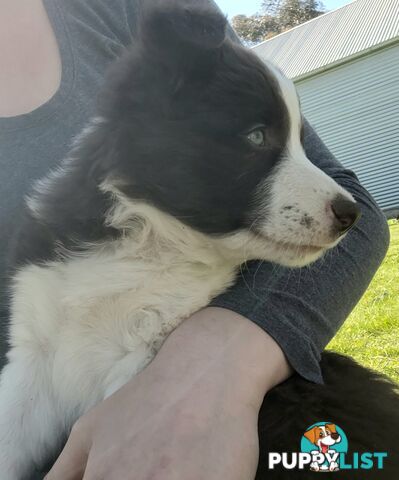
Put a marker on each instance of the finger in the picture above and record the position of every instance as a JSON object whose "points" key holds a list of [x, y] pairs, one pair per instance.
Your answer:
{"points": [[71, 464]]}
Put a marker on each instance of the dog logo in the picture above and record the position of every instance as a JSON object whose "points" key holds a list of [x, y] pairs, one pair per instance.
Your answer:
{"points": [[325, 442], [324, 448]]}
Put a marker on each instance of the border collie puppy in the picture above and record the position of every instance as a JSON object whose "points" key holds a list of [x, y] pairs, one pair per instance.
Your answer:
{"points": [[193, 165]]}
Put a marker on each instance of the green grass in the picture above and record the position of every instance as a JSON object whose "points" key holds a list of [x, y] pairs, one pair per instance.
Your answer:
{"points": [[371, 333]]}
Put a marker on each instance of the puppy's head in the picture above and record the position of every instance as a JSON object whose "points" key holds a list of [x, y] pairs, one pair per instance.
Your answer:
{"points": [[323, 436], [206, 132]]}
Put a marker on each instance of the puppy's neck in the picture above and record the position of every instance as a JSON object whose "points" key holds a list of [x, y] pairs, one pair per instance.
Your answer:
{"points": [[154, 234]]}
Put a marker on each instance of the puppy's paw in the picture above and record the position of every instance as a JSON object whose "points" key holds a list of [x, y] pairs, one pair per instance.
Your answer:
{"points": [[314, 466], [333, 467]]}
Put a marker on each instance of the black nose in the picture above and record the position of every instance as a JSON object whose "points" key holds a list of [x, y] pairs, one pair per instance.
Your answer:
{"points": [[346, 213], [335, 436]]}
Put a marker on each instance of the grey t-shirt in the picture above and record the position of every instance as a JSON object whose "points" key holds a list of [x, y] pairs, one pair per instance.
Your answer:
{"points": [[90, 35], [301, 309]]}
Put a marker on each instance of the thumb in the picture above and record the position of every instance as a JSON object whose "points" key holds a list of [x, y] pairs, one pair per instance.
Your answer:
{"points": [[71, 464]]}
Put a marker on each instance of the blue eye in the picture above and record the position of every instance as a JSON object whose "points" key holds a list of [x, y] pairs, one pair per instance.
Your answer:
{"points": [[257, 137]]}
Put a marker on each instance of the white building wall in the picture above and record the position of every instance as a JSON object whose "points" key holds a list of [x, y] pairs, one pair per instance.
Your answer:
{"points": [[355, 109]]}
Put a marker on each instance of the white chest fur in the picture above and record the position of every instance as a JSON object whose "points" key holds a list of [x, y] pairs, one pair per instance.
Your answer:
{"points": [[82, 326], [98, 319]]}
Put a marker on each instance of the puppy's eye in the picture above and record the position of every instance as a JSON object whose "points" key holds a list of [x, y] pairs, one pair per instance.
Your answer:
{"points": [[257, 137]]}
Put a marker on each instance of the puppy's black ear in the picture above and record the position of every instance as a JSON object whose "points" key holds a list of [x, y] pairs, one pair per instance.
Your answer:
{"points": [[181, 25]]}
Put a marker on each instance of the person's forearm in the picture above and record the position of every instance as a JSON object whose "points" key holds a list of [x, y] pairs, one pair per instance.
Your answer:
{"points": [[216, 341], [198, 399]]}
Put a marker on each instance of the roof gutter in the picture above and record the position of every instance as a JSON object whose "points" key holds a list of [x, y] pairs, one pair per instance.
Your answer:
{"points": [[388, 43]]}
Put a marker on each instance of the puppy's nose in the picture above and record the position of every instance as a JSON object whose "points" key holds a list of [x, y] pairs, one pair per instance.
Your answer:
{"points": [[335, 436], [346, 213]]}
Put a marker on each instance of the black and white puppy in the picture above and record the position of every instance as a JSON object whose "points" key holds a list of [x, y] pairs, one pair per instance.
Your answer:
{"points": [[193, 165]]}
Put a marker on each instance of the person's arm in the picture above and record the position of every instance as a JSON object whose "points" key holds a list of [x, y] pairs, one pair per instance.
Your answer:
{"points": [[190, 415]]}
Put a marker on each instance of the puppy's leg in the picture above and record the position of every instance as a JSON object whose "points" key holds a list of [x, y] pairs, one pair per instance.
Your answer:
{"points": [[30, 428], [124, 370]]}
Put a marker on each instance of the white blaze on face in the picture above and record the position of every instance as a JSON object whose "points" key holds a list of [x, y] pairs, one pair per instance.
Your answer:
{"points": [[297, 212], [327, 439]]}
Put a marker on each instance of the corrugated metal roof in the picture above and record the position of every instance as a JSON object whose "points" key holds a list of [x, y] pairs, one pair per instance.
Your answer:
{"points": [[333, 37]]}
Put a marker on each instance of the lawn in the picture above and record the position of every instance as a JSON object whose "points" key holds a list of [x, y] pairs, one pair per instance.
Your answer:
{"points": [[371, 333]]}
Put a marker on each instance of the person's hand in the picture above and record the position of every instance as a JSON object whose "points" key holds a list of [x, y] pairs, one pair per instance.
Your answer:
{"points": [[190, 415]]}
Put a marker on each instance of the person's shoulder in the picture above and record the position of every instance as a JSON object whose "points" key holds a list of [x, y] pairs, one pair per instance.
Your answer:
{"points": [[116, 18]]}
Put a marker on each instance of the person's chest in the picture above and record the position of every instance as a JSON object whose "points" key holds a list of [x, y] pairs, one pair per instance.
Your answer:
{"points": [[29, 55]]}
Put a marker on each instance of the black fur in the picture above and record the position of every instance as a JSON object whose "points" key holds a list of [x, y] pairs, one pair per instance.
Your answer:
{"points": [[363, 403]]}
